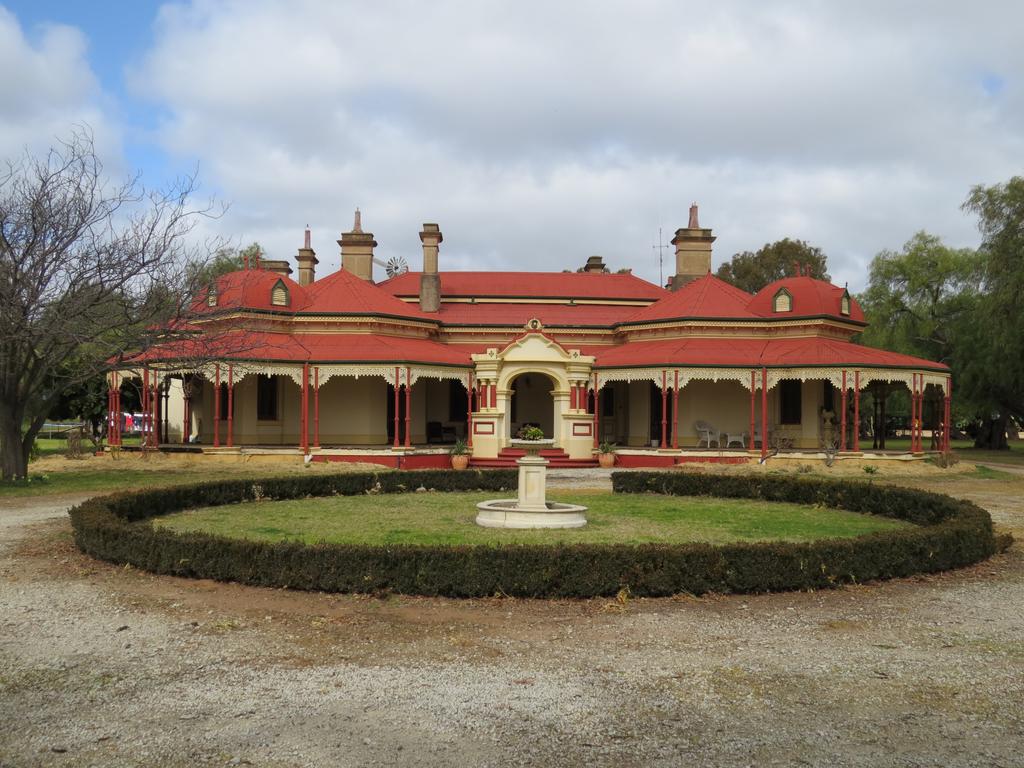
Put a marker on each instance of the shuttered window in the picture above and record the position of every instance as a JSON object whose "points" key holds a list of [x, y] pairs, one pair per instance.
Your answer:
{"points": [[279, 295], [782, 302]]}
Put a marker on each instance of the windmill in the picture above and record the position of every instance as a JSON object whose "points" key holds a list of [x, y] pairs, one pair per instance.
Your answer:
{"points": [[395, 266]]}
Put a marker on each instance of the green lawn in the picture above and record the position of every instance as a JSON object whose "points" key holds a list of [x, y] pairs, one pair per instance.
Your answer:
{"points": [[448, 518], [964, 449], [106, 480], [58, 446], [104, 475]]}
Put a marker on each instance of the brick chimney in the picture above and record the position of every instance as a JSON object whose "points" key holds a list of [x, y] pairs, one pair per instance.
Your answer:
{"points": [[430, 280], [307, 261], [594, 264], [693, 252], [357, 250]]}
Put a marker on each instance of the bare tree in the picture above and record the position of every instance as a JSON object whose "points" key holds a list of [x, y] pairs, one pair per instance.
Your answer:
{"points": [[89, 269]]}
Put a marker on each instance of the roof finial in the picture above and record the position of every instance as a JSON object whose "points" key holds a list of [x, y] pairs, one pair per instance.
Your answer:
{"points": [[306, 241], [357, 226], [693, 217]]}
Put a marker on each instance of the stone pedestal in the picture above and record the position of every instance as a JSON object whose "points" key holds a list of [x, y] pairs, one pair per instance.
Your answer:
{"points": [[532, 484], [531, 509]]}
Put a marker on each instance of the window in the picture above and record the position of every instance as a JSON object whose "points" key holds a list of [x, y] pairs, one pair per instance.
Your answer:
{"points": [[789, 401], [266, 398], [279, 294], [844, 304], [782, 302]]}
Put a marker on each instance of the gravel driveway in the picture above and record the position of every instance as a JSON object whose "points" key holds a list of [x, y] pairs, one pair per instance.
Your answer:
{"points": [[105, 666]]}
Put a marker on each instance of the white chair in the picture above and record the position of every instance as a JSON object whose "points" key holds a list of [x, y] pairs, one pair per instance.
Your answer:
{"points": [[737, 437], [706, 433]]}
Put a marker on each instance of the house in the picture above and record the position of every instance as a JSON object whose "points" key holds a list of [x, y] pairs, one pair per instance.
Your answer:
{"points": [[348, 367]]}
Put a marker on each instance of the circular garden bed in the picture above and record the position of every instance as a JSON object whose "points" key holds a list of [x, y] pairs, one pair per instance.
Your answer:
{"points": [[943, 533]]}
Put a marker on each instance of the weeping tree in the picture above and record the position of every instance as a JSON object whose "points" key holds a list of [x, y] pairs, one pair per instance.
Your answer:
{"points": [[90, 269], [993, 371]]}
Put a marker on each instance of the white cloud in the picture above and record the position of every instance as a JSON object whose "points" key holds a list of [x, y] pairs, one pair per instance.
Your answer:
{"points": [[47, 87], [537, 134]]}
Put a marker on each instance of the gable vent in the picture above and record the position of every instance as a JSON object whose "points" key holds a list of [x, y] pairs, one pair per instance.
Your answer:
{"points": [[783, 301], [279, 295]]}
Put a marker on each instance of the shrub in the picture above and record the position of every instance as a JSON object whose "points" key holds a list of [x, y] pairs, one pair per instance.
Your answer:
{"points": [[950, 534]]}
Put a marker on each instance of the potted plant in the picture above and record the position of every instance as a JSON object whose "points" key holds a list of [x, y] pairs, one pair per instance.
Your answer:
{"points": [[531, 439], [460, 455], [606, 455], [530, 433]]}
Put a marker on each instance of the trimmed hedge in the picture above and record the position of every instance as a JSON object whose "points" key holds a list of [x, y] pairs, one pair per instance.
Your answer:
{"points": [[950, 534]]}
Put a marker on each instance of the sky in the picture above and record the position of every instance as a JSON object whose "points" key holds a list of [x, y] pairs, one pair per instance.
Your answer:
{"points": [[537, 133]]}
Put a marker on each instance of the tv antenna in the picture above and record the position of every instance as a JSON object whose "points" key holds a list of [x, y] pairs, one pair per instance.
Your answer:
{"points": [[660, 248]]}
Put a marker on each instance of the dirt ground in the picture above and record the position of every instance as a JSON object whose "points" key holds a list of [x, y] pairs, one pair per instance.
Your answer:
{"points": [[107, 666]]}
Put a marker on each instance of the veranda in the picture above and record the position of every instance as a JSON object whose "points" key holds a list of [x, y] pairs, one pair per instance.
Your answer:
{"points": [[410, 415]]}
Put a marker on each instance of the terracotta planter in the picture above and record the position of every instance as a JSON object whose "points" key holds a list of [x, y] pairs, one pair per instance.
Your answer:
{"points": [[606, 460], [460, 461]]}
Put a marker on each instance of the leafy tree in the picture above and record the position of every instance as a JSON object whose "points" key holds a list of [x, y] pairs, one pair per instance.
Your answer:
{"points": [[919, 301], [993, 371], [917, 298], [88, 269], [773, 261], [225, 260]]}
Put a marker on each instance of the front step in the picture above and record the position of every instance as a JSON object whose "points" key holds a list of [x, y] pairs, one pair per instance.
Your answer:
{"points": [[557, 459], [503, 464]]}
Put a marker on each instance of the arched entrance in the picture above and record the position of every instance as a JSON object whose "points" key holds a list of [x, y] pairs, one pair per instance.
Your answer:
{"points": [[532, 403]]}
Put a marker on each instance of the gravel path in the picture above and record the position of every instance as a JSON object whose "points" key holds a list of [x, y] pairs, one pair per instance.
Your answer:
{"points": [[111, 667]]}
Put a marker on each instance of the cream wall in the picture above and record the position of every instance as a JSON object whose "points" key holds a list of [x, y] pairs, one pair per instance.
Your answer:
{"points": [[723, 404], [639, 409], [175, 410], [352, 411]]}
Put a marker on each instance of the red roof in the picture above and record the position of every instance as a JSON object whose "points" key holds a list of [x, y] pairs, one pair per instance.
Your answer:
{"points": [[252, 289], [338, 293], [755, 353], [312, 347], [343, 292], [811, 298], [707, 296], [508, 313], [534, 285]]}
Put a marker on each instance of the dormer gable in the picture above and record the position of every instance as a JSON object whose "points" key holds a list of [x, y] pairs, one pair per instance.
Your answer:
{"points": [[279, 294], [782, 301]]}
